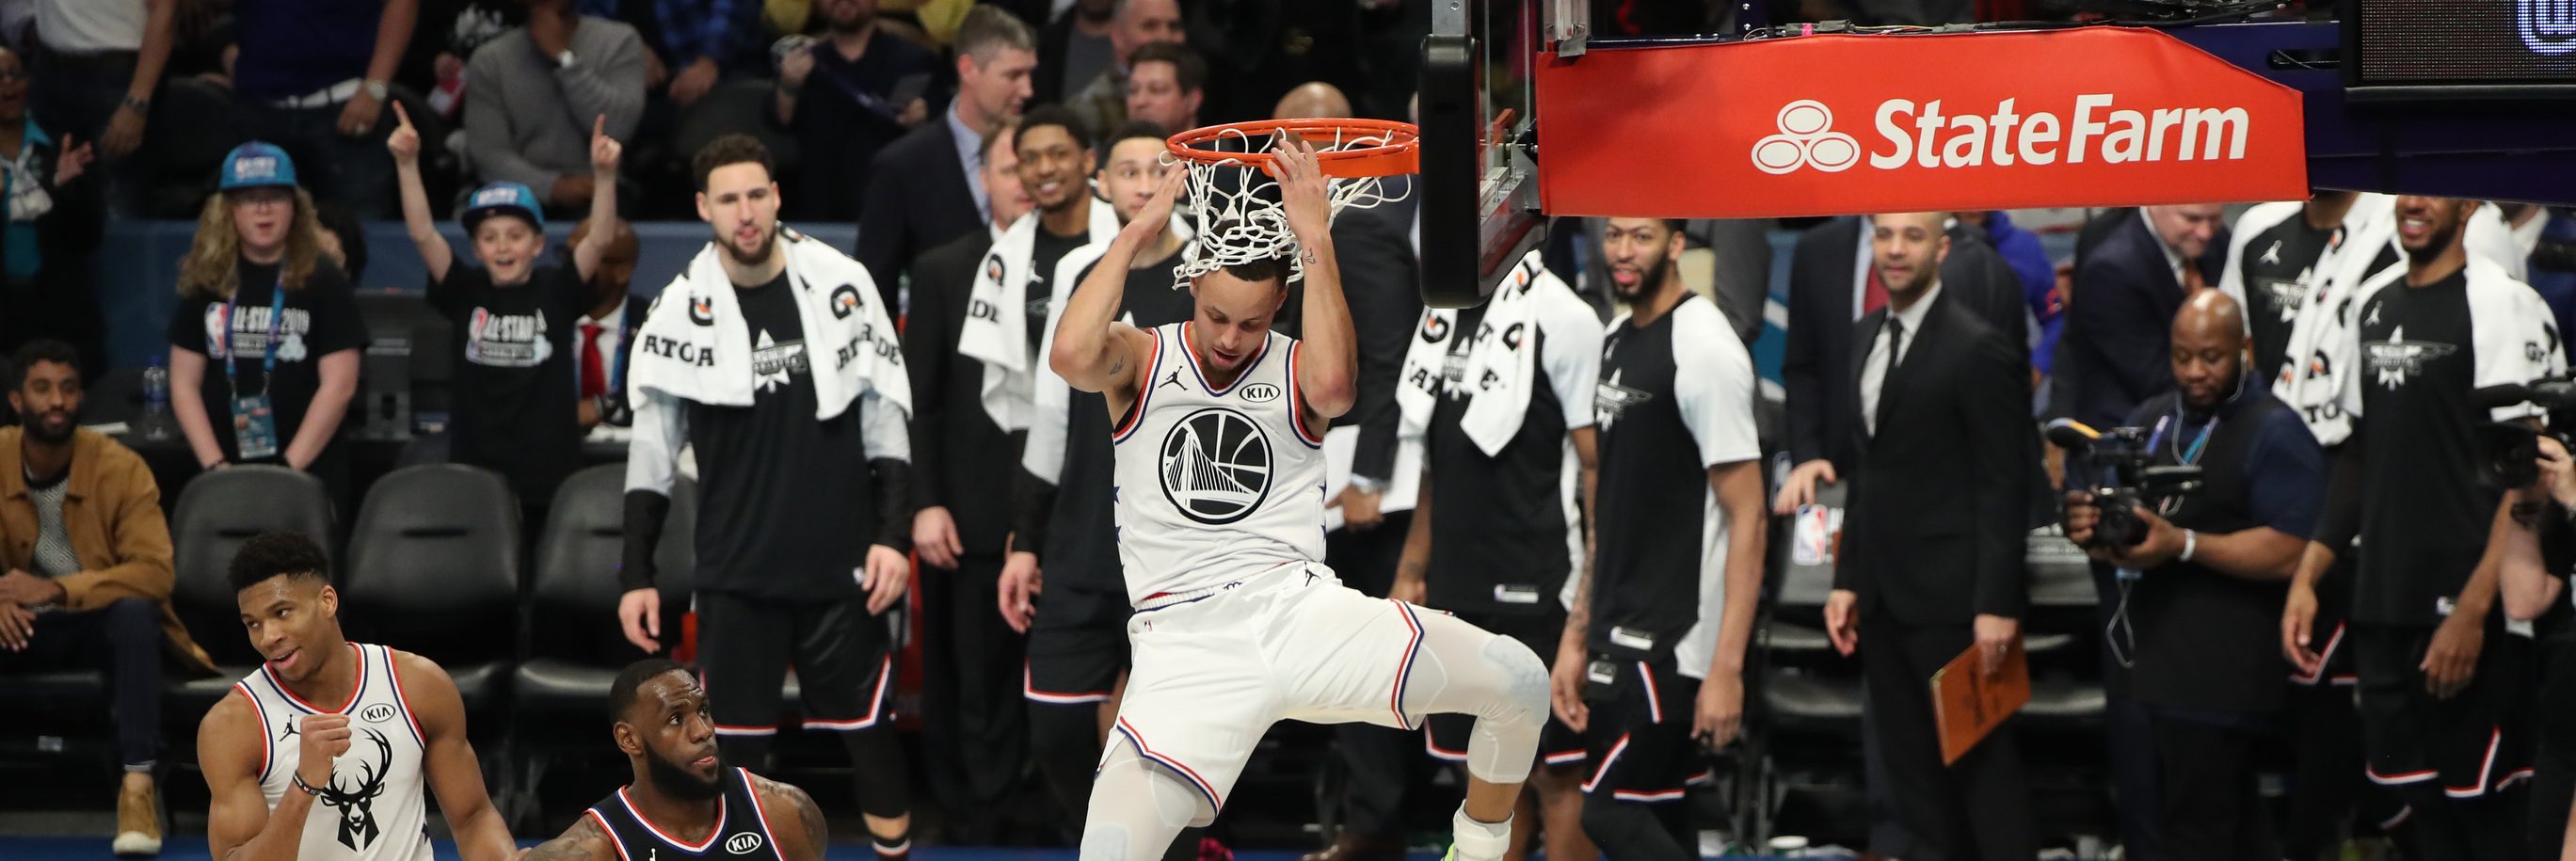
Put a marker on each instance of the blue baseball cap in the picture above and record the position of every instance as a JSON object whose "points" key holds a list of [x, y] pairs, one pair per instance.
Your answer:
{"points": [[257, 165], [502, 198]]}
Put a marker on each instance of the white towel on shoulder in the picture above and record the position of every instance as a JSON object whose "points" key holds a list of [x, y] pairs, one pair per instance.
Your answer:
{"points": [[1501, 360], [694, 347], [996, 327]]}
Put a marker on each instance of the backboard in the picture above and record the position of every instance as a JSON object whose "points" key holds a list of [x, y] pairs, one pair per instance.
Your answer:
{"points": [[1479, 185]]}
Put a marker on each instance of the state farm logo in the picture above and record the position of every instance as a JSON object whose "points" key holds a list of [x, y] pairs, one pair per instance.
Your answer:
{"points": [[1804, 141], [1912, 134]]}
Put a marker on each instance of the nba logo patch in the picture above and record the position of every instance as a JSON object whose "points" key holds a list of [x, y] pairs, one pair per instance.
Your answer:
{"points": [[255, 167], [494, 197]]}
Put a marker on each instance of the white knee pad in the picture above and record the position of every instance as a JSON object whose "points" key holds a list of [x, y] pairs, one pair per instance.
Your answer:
{"points": [[1462, 669], [1137, 808], [1524, 688]]}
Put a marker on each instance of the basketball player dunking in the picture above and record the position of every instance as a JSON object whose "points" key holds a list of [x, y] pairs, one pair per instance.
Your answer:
{"points": [[1219, 428], [683, 801], [293, 777]]}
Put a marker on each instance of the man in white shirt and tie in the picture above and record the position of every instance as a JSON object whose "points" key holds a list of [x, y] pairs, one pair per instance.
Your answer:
{"points": [[600, 370]]}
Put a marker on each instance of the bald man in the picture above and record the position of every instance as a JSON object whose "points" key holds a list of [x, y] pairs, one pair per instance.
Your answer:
{"points": [[1312, 100], [1933, 537], [2210, 572]]}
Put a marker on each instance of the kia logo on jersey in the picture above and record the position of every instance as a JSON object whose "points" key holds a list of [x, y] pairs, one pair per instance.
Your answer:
{"points": [[743, 844], [378, 713], [1261, 393]]}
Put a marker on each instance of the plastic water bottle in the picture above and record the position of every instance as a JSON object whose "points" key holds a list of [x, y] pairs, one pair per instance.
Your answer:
{"points": [[156, 424]]}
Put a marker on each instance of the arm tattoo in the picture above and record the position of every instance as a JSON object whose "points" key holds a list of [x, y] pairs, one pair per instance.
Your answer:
{"points": [[818, 833], [581, 842], [1118, 364]]}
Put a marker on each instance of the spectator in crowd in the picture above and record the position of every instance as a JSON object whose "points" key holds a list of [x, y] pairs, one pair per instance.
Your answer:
{"points": [[2036, 276], [791, 395], [1073, 49], [2441, 687], [1133, 24], [1668, 611], [102, 61], [314, 76], [276, 319], [928, 186], [1931, 560], [606, 329], [705, 40], [962, 527], [1508, 532], [848, 96], [2127, 289], [2213, 564], [1166, 83], [1258, 50], [515, 410], [47, 230], [87, 557], [539, 90], [1311, 100]]}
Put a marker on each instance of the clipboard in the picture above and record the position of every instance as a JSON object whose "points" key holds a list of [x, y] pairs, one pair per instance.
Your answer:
{"points": [[1967, 705]]}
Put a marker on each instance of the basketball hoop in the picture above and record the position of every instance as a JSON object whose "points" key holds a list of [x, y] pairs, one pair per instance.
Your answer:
{"points": [[1231, 184]]}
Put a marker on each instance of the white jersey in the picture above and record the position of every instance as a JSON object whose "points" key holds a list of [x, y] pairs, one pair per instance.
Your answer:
{"points": [[372, 809], [1215, 484]]}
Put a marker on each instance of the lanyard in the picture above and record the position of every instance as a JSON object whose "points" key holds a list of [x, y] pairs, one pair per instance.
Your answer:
{"points": [[232, 317]]}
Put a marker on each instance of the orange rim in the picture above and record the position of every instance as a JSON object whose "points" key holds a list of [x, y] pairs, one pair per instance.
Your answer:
{"points": [[1397, 156]]}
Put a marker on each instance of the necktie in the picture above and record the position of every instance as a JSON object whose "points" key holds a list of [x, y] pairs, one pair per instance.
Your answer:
{"points": [[594, 377], [1887, 373], [1873, 293], [2192, 282]]}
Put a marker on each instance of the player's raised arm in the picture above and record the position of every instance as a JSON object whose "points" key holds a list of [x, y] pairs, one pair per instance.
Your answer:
{"points": [[1328, 359], [448, 762], [1093, 351]]}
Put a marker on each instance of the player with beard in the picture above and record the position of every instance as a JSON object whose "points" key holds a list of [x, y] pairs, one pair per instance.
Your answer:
{"points": [[325, 750], [684, 798], [771, 358], [1078, 630], [1661, 617], [2441, 687]]}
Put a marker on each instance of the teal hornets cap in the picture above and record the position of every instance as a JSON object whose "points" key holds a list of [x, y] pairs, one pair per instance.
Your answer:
{"points": [[258, 165], [502, 198]]}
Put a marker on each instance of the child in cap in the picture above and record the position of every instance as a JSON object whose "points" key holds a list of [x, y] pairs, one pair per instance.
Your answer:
{"points": [[515, 407]]}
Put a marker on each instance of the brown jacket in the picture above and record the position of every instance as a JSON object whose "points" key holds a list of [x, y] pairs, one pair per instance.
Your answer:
{"points": [[112, 509]]}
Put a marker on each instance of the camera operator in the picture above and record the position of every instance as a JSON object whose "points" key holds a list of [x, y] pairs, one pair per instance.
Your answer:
{"points": [[2538, 545], [2213, 567], [2441, 684]]}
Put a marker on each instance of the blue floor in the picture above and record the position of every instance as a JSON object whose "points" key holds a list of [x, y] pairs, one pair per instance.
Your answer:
{"points": [[194, 849]]}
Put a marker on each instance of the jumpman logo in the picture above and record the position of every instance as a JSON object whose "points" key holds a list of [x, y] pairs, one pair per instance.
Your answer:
{"points": [[1174, 380]]}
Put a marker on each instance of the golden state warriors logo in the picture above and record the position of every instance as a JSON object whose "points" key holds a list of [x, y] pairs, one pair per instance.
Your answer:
{"points": [[1216, 466]]}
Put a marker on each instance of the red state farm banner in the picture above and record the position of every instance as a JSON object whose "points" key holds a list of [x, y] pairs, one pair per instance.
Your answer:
{"points": [[1841, 124]]}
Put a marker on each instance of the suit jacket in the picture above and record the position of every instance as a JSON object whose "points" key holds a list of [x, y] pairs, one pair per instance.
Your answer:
{"points": [[1817, 369], [2115, 351], [918, 199], [960, 459], [1382, 281], [1938, 512]]}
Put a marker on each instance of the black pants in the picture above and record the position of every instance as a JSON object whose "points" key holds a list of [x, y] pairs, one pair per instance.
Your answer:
{"points": [[2455, 762], [844, 668], [1977, 808], [977, 734], [123, 641], [1378, 759], [2211, 810]]}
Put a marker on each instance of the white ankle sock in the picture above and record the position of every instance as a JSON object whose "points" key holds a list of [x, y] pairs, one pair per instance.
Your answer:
{"points": [[1480, 841]]}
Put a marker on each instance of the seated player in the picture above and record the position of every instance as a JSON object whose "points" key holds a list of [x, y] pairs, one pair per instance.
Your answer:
{"points": [[276, 758], [684, 801], [1219, 498]]}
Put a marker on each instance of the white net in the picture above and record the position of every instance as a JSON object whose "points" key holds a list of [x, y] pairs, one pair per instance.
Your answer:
{"points": [[1236, 204]]}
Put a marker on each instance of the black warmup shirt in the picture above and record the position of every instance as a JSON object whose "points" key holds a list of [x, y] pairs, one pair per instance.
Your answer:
{"points": [[1676, 398], [515, 395], [320, 319], [785, 505], [2426, 506], [1502, 525], [2279, 265], [1082, 533], [1044, 253]]}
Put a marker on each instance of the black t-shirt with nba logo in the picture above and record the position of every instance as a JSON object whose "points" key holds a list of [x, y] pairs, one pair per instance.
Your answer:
{"points": [[1502, 524], [515, 408], [2427, 504], [319, 319], [785, 509], [1082, 531], [2278, 267]]}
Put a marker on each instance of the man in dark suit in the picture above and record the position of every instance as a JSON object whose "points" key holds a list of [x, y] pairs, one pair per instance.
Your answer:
{"points": [[962, 520], [1832, 283], [1931, 563], [2120, 313], [928, 187], [1082, 29]]}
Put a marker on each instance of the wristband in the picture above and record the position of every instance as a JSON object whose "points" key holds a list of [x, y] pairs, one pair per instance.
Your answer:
{"points": [[2190, 542], [139, 105], [307, 787]]}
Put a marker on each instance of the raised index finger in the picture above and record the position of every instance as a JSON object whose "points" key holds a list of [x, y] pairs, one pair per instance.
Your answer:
{"points": [[599, 127], [401, 116]]}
